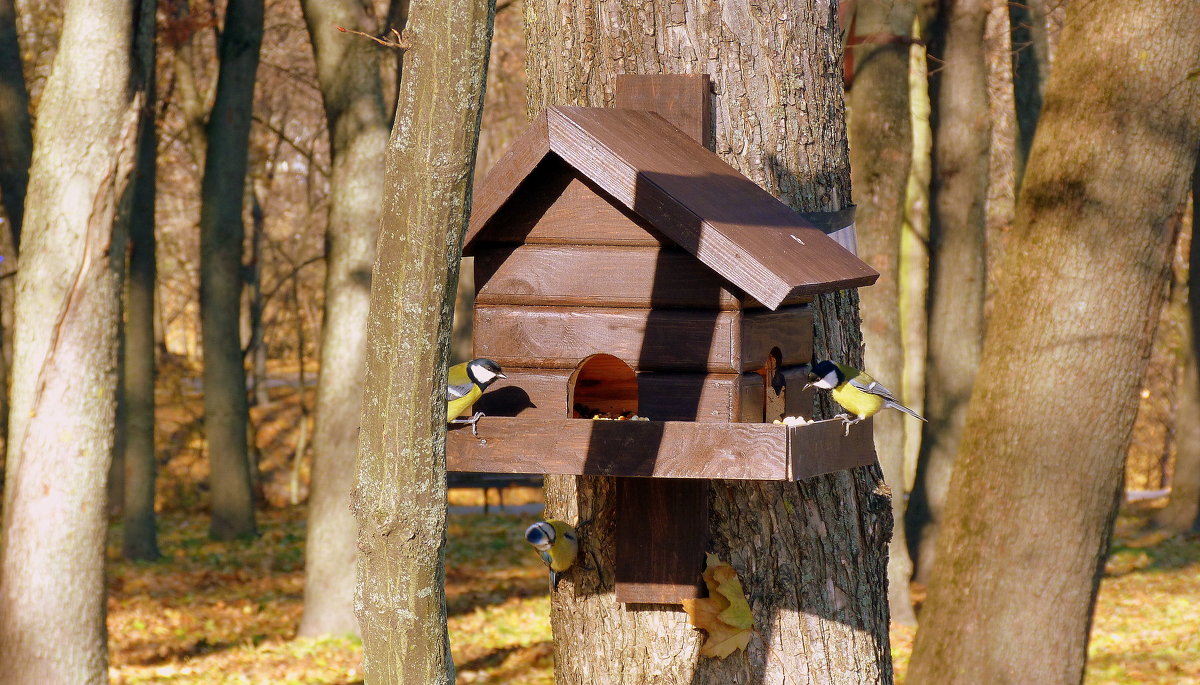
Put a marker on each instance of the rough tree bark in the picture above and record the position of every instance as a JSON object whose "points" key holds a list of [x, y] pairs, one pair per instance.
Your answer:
{"points": [[140, 538], [1035, 490], [52, 595], [780, 120], [957, 267], [1182, 513], [399, 497], [348, 70], [880, 157], [16, 133], [221, 234]]}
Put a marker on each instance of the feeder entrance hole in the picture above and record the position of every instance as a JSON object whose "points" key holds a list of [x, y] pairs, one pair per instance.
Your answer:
{"points": [[603, 384]]}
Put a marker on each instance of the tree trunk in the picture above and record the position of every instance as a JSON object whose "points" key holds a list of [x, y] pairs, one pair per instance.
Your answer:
{"points": [[1030, 67], [16, 133], [221, 234], [811, 555], [880, 158], [1182, 513], [399, 497], [348, 69], [52, 594], [957, 266], [1082, 284], [140, 539]]}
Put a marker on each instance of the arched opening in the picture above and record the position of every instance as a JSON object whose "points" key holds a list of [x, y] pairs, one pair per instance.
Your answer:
{"points": [[603, 385], [772, 374]]}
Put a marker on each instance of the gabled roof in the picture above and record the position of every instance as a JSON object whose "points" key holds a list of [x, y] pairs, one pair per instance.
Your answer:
{"points": [[686, 192]]}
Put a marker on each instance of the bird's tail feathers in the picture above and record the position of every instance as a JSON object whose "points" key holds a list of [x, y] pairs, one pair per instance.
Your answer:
{"points": [[906, 410]]}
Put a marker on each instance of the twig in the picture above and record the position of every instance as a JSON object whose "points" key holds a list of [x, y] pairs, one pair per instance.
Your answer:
{"points": [[400, 43]]}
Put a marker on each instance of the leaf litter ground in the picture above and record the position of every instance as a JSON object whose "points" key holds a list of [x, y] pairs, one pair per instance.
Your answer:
{"points": [[227, 612]]}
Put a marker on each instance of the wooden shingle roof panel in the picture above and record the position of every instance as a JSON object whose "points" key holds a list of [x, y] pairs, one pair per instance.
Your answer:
{"points": [[689, 194]]}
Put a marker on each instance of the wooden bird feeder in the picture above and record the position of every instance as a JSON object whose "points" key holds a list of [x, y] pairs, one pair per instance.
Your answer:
{"points": [[621, 267]]}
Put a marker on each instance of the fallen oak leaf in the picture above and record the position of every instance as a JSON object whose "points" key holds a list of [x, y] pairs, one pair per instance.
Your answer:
{"points": [[725, 614]]}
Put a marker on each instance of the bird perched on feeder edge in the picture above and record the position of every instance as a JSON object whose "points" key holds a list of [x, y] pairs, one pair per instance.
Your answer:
{"points": [[464, 384], [856, 391], [557, 544]]}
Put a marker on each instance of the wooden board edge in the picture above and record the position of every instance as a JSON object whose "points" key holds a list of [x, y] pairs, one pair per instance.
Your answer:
{"points": [[825, 447]]}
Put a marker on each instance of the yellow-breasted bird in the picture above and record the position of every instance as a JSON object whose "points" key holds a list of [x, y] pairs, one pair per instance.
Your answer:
{"points": [[557, 544], [856, 391], [464, 384]]}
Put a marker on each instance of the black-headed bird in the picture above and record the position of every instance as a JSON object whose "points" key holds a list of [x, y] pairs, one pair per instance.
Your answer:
{"points": [[856, 391], [464, 384], [557, 544]]}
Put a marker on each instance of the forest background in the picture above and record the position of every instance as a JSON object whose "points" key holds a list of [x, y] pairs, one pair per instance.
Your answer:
{"points": [[236, 605]]}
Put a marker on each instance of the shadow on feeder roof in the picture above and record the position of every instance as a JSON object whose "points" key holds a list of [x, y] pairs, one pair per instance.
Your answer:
{"points": [[685, 192]]}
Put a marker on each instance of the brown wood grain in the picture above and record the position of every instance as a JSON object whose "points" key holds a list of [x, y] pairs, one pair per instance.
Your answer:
{"points": [[684, 100], [824, 447], [662, 535], [647, 340], [543, 393], [604, 276], [522, 158], [798, 401], [663, 179], [661, 449], [703, 204], [558, 205]]}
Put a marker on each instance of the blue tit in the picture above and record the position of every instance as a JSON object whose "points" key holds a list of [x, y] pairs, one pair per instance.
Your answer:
{"points": [[464, 384], [556, 543], [857, 392]]}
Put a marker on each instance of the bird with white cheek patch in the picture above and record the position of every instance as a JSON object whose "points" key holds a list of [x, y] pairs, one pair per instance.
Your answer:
{"points": [[858, 393], [464, 384]]}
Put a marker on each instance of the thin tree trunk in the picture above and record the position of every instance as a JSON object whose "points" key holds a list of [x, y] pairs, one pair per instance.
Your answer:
{"points": [[221, 234], [140, 539], [880, 158], [811, 555], [348, 69], [957, 266], [258, 347], [1182, 513], [1030, 67], [1083, 282], [16, 133], [52, 595], [399, 496]]}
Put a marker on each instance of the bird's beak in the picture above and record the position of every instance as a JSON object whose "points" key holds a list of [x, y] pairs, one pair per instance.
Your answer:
{"points": [[500, 375], [807, 386]]}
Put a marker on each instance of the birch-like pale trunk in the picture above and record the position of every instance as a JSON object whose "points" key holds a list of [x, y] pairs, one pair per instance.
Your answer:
{"points": [[348, 70], [52, 593]]}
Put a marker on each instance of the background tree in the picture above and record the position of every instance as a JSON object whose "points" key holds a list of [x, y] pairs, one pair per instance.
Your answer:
{"points": [[52, 594], [16, 133], [140, 538], [348, 69], [399, 497], [227, 136], [1085, 271], [1182, 513], [960, 119], [880, 158], [794, 146]]}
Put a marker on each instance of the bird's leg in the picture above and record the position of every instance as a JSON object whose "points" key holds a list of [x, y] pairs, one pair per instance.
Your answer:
{"points": [[847, 422], [472, 421]]}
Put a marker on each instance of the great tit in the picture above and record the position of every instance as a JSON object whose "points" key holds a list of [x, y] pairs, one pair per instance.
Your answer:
{"points": [[464, 384], [556, 543], [857, 392]]}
